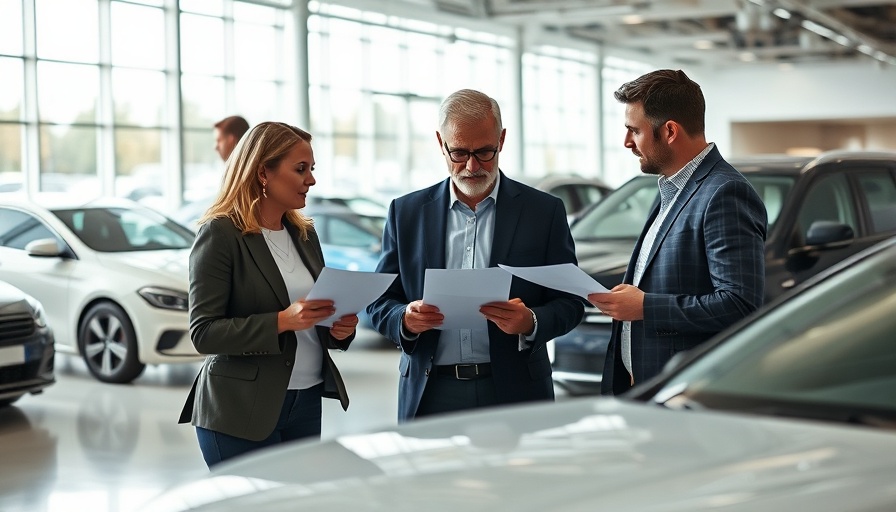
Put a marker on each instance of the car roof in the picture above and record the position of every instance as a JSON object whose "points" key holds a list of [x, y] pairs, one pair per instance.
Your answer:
{"points": [[803, 164], [63, 200], [552, 180]]}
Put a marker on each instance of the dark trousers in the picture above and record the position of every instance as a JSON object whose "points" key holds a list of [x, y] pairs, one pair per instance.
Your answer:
{"points": [[299, 419], [445, 394]]}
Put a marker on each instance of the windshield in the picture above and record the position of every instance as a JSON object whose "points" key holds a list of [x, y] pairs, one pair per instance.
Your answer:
{"points": [[827, 353], [118, 229], [623, 212]]}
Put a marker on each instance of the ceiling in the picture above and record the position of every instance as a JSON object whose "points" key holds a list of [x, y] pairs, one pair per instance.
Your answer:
{"points": [[709, 32]]}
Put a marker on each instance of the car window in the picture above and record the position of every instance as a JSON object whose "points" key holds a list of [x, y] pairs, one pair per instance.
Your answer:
{"points": [[621, 214], [828, 199], [566, 194], [122, 229], [18, 228], [773, 190], [590, 194], [826, 349], [342, 232], [879, 191]]}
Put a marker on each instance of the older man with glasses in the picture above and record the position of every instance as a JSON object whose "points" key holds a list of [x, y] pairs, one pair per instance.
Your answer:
{"points": [[477, 218]]}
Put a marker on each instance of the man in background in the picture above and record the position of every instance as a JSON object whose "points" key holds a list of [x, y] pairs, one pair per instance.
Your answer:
{"points": [[228, 132]]}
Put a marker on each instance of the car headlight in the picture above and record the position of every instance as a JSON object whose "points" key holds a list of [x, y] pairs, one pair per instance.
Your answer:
{"points": [[39, 317], [164, 298]]}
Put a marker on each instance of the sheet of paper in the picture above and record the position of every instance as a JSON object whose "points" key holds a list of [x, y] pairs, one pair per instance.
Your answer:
{"points": [[458, 293], [350, 290], [565, 277]]}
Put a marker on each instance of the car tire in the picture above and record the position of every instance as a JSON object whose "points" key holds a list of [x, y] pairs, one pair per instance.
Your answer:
{"points": [[108, 344]]}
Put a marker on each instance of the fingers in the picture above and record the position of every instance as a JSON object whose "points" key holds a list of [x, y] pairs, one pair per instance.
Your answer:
{"points": [[512, 317], [419, 317], [344, 327]]}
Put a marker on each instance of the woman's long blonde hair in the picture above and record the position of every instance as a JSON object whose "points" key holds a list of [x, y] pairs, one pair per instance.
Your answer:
{"points": [[262, 146]]}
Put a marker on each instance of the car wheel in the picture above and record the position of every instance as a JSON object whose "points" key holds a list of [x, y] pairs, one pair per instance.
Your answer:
{"points": [[108, 344]]}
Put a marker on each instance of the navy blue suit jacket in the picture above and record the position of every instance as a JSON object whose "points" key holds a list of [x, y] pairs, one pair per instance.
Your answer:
{"points": [[530, 230], [705, 271]]}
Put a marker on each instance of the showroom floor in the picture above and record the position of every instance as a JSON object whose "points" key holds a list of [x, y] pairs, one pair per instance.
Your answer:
{"points": [[84, 445]]}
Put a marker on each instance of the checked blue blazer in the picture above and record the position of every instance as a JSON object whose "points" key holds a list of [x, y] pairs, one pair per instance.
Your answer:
{"points": [[705, 271]]}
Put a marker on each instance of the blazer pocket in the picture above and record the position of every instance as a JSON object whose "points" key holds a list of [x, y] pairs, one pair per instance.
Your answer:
{"points": [[233, 369], [403, 364], [539, 368]]}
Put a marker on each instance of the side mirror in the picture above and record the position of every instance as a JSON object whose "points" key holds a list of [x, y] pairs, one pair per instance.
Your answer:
{"points": [[823, 232], [43, 248]]}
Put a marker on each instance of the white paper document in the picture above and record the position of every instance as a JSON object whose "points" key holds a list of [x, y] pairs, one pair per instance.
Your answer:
{"points": [[351, 291], [458, 293], [565, 277]]}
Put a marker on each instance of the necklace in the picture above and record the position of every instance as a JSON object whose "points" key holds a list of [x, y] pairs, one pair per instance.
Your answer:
{"points": [[285, 255]]}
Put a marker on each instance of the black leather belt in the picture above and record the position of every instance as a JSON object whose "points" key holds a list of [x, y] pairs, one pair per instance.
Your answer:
{"points": [[465, 371]]}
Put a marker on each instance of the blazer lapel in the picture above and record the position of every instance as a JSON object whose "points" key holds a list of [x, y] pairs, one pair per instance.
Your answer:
{"points": [[260, 252], [435, 220], [684, 197], [307, 250], [507, 215]]}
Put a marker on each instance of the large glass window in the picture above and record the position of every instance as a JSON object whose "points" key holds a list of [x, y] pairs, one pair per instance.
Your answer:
{"points": [[138, 36], [120, 96], [56, 38], [619, 163], [374, 123], [10, 28], [11, 89], [560, 134]]}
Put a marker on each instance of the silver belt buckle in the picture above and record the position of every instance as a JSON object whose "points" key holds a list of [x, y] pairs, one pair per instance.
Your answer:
{"points": [[457, 371]]}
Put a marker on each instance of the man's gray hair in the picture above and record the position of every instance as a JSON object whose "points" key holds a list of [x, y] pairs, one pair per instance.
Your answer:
{"points": [[468, 105]]}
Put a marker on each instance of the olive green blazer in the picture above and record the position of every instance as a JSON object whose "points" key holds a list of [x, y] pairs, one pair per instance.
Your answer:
{"points": [[236, 291]]}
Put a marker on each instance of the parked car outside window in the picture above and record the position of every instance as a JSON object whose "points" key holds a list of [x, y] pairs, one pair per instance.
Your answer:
{"points": [[820, 211], [26, 346], [792, 411], [111, 275]]}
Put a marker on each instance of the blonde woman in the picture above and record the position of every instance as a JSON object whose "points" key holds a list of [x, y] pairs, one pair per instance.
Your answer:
{"points": [[254, 260]]}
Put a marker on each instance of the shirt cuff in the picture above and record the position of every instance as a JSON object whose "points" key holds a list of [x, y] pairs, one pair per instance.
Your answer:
{"points": [[405, 335], [523, 339]]}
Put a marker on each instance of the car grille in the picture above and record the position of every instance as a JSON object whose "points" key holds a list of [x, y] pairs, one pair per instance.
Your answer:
{"points": [[15, 327], [578, 362], [19, 373]]}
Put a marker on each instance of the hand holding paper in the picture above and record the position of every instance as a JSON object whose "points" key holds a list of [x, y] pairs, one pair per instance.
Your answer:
{"points": [[351, 291], [458, 293]]}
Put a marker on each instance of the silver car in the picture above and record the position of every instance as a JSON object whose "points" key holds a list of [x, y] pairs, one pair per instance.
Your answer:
{"points": [[794, 411]]}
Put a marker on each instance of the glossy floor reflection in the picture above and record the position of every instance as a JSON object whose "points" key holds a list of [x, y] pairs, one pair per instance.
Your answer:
{"points": [[85, 445]]}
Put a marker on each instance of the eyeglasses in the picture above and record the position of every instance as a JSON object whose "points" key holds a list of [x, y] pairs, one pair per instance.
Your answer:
{"points": [[460, 156]]}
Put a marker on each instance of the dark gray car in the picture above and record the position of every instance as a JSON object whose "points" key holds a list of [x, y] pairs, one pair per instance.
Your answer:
{"points": [[26, 346], [820, 211]]}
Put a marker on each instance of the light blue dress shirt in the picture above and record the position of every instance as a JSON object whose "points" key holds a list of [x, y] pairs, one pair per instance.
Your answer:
{"points": [[468, 244]]}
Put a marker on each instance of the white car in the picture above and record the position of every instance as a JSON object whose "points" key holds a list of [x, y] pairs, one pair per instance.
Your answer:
{"points": [[111, 275], [794, 410]]}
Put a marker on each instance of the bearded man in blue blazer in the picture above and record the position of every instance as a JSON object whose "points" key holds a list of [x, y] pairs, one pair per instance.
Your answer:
{"points": [[476, 218], [699, 265]]}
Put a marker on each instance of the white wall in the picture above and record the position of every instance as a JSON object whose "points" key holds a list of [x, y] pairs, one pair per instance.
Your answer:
{"points": [[830, 92]]}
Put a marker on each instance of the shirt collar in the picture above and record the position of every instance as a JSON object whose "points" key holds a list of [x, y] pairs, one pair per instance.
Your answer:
{"points": [[494, 194], [680, 178]]}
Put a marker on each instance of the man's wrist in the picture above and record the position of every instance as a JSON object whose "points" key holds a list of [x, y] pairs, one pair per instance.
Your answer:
{"points": [[534, 323]]}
